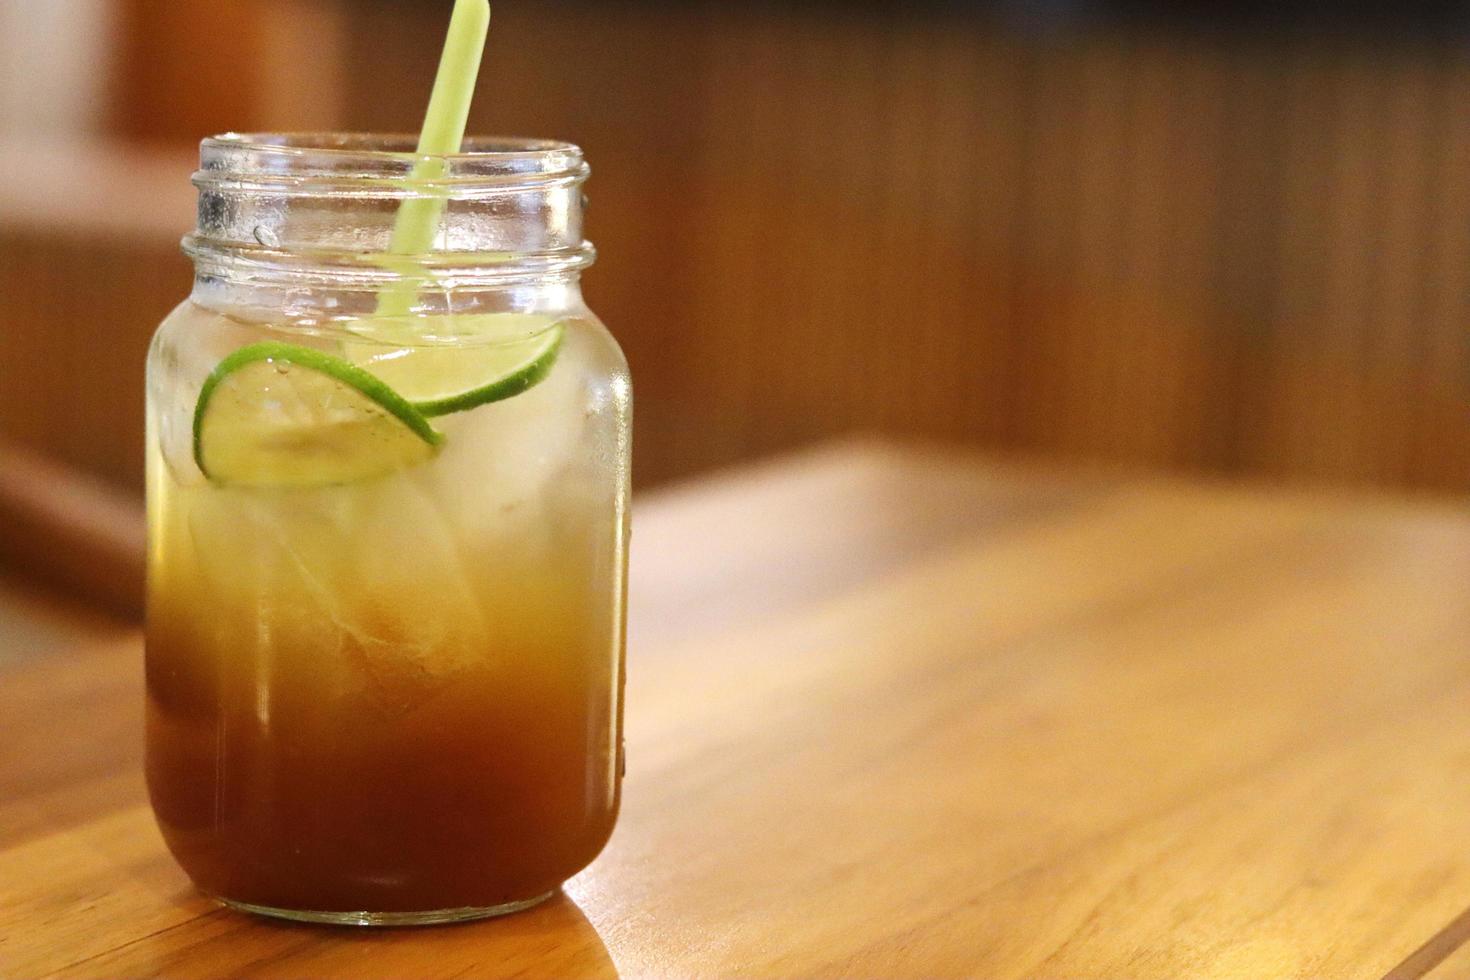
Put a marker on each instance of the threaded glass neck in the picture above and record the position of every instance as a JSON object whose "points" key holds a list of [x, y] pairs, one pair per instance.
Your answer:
{"points": [[304, 211]]}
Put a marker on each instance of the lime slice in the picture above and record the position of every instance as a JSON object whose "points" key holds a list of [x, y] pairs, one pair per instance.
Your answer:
{"points": [[492, 357], [278, 415]]}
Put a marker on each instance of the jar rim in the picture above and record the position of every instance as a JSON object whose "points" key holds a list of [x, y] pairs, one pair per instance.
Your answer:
{"points": [[355, 159], [305, 206], [387, 146]]}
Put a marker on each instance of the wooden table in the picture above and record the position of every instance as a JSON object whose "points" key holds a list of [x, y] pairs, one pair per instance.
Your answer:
{"points": [[904, 713]]}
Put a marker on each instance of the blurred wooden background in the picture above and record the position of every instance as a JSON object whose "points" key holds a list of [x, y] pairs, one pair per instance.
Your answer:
{"points": [[1160, 249]]}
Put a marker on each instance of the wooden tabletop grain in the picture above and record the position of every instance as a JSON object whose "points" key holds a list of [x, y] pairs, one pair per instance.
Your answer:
{"points": [[909, 714]]}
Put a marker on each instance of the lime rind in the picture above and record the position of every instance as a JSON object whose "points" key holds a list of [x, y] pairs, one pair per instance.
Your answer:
{"points": [[489, 357], [540, 359], [335, 369], [337, 419]]}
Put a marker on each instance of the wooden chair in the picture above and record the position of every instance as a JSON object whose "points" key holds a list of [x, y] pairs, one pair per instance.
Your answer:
{"points": [[71, 531]]}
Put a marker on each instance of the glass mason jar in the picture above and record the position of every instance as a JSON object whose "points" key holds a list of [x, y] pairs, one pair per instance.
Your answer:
{"points": [[388, 531]]}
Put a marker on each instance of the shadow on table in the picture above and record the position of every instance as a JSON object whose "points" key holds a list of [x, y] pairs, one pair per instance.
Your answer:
{"points": [[553, 939]]}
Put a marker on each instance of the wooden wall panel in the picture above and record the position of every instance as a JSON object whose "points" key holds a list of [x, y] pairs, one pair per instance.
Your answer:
{"points": [[186, 68], [79, 315], [89, 264], [1441, 437], [1224, 256]]}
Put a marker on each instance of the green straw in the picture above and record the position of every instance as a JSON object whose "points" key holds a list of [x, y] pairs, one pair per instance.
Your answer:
{"points": [[417, 224]]}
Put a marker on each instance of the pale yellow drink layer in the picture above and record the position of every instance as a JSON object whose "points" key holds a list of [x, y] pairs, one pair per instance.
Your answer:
{"points": [[417, 223]]}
